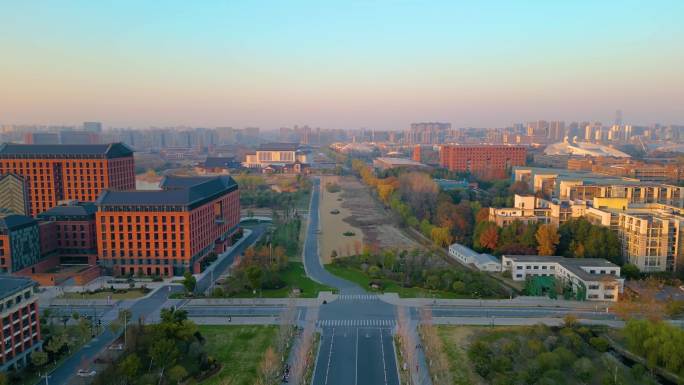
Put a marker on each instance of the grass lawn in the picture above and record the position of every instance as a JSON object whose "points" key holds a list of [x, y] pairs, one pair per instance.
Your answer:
{"points": [[129, 294], [239, 349], [294, 276], [363, 280]]}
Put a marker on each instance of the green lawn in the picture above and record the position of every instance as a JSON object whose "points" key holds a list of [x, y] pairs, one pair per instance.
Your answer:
{"points": [[363, 280], [239, 349], [129, 294], [294, 276]]}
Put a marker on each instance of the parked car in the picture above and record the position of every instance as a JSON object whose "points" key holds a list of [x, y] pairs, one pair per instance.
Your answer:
{"points": [[116, 347], [86, 373]]}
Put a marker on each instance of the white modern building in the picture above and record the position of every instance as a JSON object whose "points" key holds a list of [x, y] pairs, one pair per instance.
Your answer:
{"points": [[598, 278], [278, 154], [466, 256]]}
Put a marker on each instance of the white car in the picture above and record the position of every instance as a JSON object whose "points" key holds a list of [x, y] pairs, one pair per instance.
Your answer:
{"points": [[116, 347], [85, 373]]}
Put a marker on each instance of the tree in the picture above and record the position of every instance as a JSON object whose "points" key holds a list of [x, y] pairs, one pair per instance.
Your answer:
{"points": [[254, 274], [163, 353], [173, 315], [441, 236], [548, 238], [129, 367], [490, 237], [177, 374], [39, 358], [55, 345], [630, 271], [189, 282]]}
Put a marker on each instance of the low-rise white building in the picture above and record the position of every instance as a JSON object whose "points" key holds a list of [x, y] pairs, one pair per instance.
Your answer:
{"points": [[466, 256], [598, 278]]}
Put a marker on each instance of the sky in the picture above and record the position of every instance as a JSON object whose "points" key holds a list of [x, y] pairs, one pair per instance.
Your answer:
{"points": [[340, 64]]}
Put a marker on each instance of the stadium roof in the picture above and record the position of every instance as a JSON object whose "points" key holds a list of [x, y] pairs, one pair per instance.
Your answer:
{"points": [[112, 150]]}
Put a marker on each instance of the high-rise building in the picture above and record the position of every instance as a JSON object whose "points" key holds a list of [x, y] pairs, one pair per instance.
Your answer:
{"points": [[427, 133], [78, 137], [167, 232], [489, 161], [19, 246], [41, 138], [13, 195], [92, 127], [68, 172], [21, 323]]}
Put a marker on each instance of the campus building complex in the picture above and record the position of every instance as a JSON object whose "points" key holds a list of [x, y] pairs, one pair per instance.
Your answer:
{"points": [[589, 278], [276, 156], [53, 173], [170, 231], [489, 161], [20, 322]]}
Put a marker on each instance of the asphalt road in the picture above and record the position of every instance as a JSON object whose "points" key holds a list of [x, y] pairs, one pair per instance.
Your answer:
{"points": [[514, 312], [356, 356], [65, 373], [312, 263], [219, 268], [143, 308]]}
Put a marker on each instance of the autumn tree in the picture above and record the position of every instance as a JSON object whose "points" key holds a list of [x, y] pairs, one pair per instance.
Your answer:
{"points": [[548, 238], [441, 236], [489, 238], [420, 192]]}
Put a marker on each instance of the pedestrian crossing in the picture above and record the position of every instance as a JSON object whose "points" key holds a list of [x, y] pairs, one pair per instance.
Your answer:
{"points": [[357, 322], [357, 297]]}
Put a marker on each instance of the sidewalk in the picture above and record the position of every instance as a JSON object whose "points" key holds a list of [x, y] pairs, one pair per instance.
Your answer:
{"points": [[394, 299]]}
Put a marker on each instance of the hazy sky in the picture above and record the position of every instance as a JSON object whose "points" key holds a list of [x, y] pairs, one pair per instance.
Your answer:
{"points": [[340, 64]]}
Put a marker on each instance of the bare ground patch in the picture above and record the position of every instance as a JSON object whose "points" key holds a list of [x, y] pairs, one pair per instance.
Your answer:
{"points": [[361, 211]]}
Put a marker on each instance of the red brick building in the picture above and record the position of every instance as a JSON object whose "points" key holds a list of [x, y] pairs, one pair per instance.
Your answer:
{"points": [[488, 161], [20, 322], [68, 172], [170, 231], [68, 230]]}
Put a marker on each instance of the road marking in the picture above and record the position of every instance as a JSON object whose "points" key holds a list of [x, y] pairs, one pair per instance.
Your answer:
{"points": [[332, 341], [384, 366], [356, 360]]}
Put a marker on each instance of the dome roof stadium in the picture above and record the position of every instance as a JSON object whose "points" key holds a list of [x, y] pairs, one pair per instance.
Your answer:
{"points": [[583, 149]]}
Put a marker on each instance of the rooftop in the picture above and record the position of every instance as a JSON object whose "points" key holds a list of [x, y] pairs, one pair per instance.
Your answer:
{"points": [[176, 191], [573, 264], [400, 161], [14, 221], [112, 150], [78, 209], [10, 284], [278, 147], [478, 257], [219, 161]]}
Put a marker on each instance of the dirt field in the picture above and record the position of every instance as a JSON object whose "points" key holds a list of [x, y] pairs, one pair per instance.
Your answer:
{"points": [[360, 213]]}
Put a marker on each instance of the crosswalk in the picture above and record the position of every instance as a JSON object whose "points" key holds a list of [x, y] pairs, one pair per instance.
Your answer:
{"points": [[357, 297], [357, 322]]}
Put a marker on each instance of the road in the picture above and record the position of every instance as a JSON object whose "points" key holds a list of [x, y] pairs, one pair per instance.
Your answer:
{"points": [[145, 308], [354, 354], [312, 263]]}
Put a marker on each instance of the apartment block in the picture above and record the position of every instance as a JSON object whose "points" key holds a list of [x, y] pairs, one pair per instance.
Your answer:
{"points": [[20, 322], [19, 243], [170, 231], [68, 172]]}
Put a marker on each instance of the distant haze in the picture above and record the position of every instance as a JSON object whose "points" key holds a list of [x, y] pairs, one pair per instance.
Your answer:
{"points": [[340, 64]]}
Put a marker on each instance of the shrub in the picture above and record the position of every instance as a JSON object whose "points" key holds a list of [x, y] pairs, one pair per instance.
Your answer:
{"points": [[349, 233], [599, 343]]}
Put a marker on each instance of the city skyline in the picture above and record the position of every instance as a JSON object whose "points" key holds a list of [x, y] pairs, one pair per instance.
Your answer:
{"points": [[377, 65]]}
